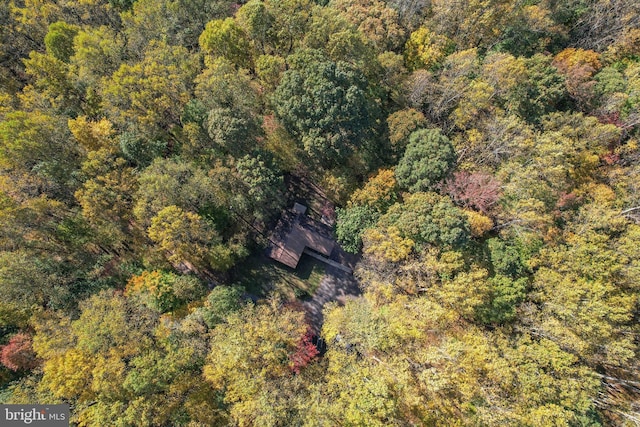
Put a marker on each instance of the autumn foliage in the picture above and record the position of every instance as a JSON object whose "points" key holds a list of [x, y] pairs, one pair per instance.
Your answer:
{"points": [[479, 160], [305, 352], [476, 190], [18, 354]]}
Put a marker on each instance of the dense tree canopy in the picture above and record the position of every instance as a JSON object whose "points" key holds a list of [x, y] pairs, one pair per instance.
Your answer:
{"points": [[327, 105], [480, 159]]}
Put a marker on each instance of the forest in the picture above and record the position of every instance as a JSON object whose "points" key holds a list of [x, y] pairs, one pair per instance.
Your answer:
{"points": [[480, 159]]}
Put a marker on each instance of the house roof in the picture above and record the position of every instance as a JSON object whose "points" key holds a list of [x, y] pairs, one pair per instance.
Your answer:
{"points": [[294, 244]]}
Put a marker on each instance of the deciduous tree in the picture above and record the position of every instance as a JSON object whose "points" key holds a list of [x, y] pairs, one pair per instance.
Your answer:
{"points": [[148, 96], [428, 218], [39, 145], [426, 161], [18, 354], [478, 190], [186, 238], [220, 303], [426, 49], [59, 40], [263, 185], [164, 291], [352, 222], [401, 125], [327, 106], [249, 359], [224, 38], [375, 20]]}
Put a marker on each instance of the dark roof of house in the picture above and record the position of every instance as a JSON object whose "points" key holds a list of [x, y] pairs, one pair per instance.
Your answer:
{"points": [[290, 250]]}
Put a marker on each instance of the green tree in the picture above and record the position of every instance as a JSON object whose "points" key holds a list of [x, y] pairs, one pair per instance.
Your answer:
{"points": [[121, 5], [427, 160], [506, 258], [24, 282], [351, 47], [270, 69], [542, 92], [291, 23], [52, 86], [532, 30], [324, 22], [393, 76], [177, 22], [171, 182], [257, 22], [59, 40], [232, 131], [505, 294], [263, 185], [364, 208], [16, 41], [352, 223], [221, 85], [221, 302], [98, 52], [430, 219], [217, 197], [142, 150], [327, 106], [164, 291]]}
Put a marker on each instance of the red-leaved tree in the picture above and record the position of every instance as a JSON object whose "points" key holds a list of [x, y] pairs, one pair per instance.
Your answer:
{"points": [[18, 354], [473, 190], [305, 352]]}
